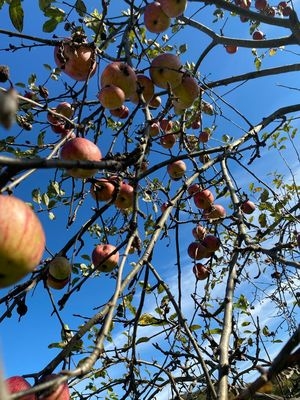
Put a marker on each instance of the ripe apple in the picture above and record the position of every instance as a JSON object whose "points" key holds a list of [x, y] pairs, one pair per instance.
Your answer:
{"points": [[103, 189], [164, 206], [173, 8], [248, 207], [154, 129], [167, 140], [166, 125], [54, 393], [59, 272], [80, 149], [78, 62], [199, 232], [186, 92], [231, 48], [258, 35], [176, 169], [215, 212], [260, 4], [121, 112], [194, 188], [155, 20], [102, 259], [201, 272], [22, 240], [211, 242], [111, 97], [155, 102], [165, 70], [145, 90], [203, 199], [125, 196], [196, 124], [284, 8], [121, 75], [64, 108], [204, 137], [16, 384], [197, 251]]}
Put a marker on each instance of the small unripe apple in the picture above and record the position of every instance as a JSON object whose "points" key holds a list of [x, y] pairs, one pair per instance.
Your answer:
{"points": [[199, 232], [60, 392], [16, 384], [102, 259], [176, 169], [201, 272], [80, 149], [203, 199], [248, 207], [125, 196], [59, 272], [211, 242], [22, 240], [103, 189]]}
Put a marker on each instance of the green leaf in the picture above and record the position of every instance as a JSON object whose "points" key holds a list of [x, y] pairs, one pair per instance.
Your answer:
{"points": [[44, 4], [80, 8], [142, 340], [195, 327], [55, 12], [148, 319], [16, 14], [50, 25], [262, 219]]}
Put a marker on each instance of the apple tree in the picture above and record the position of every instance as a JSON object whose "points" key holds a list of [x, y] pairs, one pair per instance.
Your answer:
{"points": [[150, 196]]}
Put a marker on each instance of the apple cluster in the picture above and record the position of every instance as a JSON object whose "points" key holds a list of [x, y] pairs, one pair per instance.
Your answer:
{"points": [[204, 199]]}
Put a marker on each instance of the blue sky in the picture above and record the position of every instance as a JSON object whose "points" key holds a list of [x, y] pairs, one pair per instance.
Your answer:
{"points": [[24, 344]]}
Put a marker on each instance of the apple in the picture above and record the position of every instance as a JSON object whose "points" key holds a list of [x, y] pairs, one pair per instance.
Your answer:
{"points": [[248, 207], [144, 90], [211, 242], [64, 108], [121, 75], [155, 102], [199, 232], [231, 48], [22, 240], [258, 35], [173, 8], [207, 108], [204, 137], [121, 112], [194, 188], [260, 4], [125, 196], [103, 189], [201, 271], [155, 20], [164, 206], [59, 272], [176, 169], [215, 212], [167, 140], [166, 125], [111, 97], [196, 123], [197, 251], [77, 61], [16, 384], [154, 129], [203, 199], [55, 392], [165, 70], [102, 258], [80, 149], [284, 8], [186, 92]]}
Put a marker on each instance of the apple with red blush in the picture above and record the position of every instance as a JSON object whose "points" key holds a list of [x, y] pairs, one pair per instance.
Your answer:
{"points": [[176, 169], [120, 74], [201, 271], [173, 8], [203, 199], [248, 207], [211, 242], [214, 213], [54, 392], [105, 257], [199, 232], [16, 384], [155, 20], [125, 196], [166, 70]]}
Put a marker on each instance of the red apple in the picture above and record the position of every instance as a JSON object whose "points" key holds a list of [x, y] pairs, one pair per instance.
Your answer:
{"points": [[64, 108], [284, 8], [260, 4], [155, 20], [248, 207], [80, 149], [59, 272], [211, 242], [167, 140], [54, 393], [258, 35], [231, 48], [197, 251], [121, 112], [186, 92], [207, 108], [196, 124], [163, 207], [155, 102], [121, 75], [78, 62], [16, 384], [201, 272], [144, 90], [166, 125], [125, 196], [173, 8], [102, 259], [103, 189], [22, 240], [215, 212], [176, 169], [194, 188], [204, 137], [111, 97], [199, 232], [154, 129], [165, 71], [203, 199]]}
